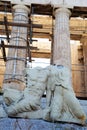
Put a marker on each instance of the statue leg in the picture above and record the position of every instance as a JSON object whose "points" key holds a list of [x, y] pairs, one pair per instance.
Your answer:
{"points": [[32, 114], [22, 106], [74, 104], [56, 104], [38, 114]]}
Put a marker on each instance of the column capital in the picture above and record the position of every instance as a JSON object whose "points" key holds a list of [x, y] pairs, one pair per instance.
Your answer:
{"points": [[21, 7], [62, 10]]}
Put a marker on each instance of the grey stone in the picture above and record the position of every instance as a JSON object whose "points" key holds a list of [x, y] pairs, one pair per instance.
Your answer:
{"points": [[30, 124]]}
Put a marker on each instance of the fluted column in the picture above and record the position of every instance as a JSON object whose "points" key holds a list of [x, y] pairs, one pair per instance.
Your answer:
{"points": [[61, 47], [16, 57]]}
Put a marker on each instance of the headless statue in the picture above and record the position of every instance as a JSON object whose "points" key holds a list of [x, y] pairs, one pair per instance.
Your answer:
{"points": [[61, 99], [30, 99], [61, 103]]}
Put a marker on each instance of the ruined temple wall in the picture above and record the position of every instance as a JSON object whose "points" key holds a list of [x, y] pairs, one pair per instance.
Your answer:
{"points": [[77, 68]]}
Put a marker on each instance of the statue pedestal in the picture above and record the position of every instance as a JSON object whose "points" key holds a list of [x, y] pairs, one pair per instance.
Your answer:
{"points": [[28, 124]]}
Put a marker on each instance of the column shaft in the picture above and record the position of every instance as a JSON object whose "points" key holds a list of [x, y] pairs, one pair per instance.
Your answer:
{"points": [[16, 57], [61, 49]]}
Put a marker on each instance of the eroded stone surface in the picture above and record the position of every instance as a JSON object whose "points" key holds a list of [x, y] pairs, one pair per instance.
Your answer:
{"points": [[61, 103]]}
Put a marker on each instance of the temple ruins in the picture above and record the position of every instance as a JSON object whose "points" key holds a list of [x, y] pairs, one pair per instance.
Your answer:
{"points": [[55, 30]]}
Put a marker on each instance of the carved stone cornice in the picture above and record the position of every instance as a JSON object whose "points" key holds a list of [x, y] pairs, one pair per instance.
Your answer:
{"points": [[55, 3]]}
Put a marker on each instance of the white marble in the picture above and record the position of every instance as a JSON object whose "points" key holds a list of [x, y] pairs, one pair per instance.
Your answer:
{"points": [[29, 99], [55, 3], [21, 8], [61, 103], [61, 99]]}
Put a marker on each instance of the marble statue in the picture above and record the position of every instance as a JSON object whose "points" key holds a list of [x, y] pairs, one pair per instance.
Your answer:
{"points": [[61, 99], [61, 103], [29, 99]]}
